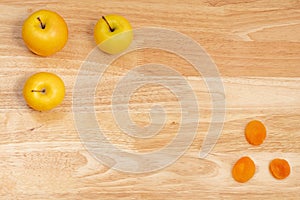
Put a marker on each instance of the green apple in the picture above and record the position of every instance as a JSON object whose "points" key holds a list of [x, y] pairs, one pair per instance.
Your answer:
{"points": [[113, 34]]}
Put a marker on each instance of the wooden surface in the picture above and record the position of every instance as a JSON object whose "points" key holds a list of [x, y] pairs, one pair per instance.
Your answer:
{"points": [[256, 46]]}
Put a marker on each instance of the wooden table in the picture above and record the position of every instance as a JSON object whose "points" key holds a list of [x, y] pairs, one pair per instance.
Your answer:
{"points": [[254, 44]]}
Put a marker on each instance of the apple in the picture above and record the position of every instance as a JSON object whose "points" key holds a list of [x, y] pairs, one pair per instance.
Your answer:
{"points": [[44, 91], [113, 34], [45, 32]]}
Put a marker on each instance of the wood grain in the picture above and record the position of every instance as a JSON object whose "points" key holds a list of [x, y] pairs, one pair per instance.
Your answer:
{"points": [[256, 47]]}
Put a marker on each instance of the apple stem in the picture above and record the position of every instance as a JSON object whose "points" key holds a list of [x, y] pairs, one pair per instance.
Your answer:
{"points": [[42, 91], [110, 28], [42, 25]]}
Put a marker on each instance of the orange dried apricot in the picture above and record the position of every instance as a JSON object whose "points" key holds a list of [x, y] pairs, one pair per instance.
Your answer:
{"points": [[243, 170], [279, 168], [255, 132]]}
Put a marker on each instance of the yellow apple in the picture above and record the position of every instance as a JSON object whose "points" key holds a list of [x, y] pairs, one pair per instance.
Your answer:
{"points": [[113, 34], [44, 91], [45, 32]]}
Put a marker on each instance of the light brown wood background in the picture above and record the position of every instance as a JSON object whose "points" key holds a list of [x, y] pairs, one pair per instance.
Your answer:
{"points": [[254, 43]]}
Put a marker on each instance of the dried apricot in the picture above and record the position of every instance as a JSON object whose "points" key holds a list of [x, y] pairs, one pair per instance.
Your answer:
{"points": [[255, 132], [280, 168], [243, 170]]}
